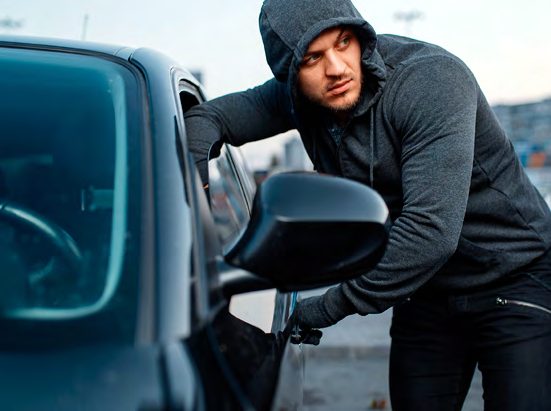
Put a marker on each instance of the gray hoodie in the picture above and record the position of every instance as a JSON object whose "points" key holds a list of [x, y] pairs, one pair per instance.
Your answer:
{"points": [[463, 212]]}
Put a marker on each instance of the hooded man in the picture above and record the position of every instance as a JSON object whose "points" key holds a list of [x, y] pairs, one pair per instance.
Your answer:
{"points": [[467, 267]]}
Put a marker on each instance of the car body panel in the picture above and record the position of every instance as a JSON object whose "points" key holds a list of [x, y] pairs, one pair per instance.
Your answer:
{"points": [[91, 378], [171, 333]]}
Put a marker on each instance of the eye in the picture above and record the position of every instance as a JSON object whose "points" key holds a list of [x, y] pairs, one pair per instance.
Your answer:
{"points": [[311, 59], [344, 41]]}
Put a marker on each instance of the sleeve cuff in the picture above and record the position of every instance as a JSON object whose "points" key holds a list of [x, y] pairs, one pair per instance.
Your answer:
{"points": [[337, 306]]}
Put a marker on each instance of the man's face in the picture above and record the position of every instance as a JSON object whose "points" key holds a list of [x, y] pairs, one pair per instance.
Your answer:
{"points": [[330, 73]]}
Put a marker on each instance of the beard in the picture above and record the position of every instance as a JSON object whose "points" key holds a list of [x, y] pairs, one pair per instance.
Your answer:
{"points": [[336, 107], [344, 107]]}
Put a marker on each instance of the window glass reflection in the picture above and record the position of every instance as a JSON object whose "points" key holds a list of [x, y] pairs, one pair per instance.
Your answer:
{"points": [[229, 208], [62, 183]]}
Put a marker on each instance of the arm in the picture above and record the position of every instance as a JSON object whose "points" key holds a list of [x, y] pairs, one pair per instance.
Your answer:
{"points": [[238, 118], [433, 107]]}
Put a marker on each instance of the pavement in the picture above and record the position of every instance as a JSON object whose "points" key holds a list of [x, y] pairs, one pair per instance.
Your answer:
{"points": [[348, 371]]}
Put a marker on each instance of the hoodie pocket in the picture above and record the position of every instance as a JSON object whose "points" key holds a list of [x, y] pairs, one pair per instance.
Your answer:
{"points": [[472, 258]]}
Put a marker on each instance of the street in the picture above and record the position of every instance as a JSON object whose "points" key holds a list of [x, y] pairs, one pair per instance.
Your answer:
{"points": [[348, 371]]}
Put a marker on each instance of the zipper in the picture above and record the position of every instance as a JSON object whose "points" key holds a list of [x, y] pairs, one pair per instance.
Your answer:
{"points": [[504, 301], [339, 146]]}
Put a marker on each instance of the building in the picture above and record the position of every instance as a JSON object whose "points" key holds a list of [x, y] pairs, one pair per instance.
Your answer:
{"points": [[529, 128], [295, 156]]}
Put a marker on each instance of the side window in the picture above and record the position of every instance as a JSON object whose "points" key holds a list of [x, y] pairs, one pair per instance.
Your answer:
{"points": [[187, 99], [245, 174], [229, 206], [229, 190]]}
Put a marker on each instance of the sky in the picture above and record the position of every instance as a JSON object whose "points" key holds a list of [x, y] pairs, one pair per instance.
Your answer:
{"points": [[504, 42]]}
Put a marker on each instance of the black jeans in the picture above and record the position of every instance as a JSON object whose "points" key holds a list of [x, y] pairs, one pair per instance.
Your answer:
{"points": [[437, 341]]}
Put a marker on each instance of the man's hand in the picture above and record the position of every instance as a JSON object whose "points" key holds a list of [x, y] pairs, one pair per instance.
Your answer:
{"points": [[299, 336], [308, 316], [311, 313], [317, 312]]}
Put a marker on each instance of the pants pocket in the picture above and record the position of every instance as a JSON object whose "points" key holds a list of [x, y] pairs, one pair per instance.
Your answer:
{"points": [[537, 308]]}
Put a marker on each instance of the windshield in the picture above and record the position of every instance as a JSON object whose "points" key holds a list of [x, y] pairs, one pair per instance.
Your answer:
{"points": [[63, 183]]}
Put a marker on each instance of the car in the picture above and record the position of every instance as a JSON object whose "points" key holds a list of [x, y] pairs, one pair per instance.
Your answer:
{"points": [[120, 269]]}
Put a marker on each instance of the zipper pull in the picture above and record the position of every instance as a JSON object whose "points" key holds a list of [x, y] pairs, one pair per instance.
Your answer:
{"points": [[501, 301]]}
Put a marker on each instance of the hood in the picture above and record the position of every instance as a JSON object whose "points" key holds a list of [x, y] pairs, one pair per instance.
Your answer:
{"points": [[289, 26]]}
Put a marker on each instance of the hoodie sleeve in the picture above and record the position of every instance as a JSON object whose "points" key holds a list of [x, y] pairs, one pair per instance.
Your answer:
{"points": [[237, 118], [432, 105]]}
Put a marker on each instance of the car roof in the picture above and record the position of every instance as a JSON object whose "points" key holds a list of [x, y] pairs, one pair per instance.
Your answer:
{"points": [[142, 56], [64, 44]]}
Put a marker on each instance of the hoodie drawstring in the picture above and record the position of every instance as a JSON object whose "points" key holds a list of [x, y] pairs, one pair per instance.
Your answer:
{"points": [[371, 144]]}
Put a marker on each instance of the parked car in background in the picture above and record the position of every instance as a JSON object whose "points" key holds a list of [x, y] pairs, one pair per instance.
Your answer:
{"points": [[119, 269]]}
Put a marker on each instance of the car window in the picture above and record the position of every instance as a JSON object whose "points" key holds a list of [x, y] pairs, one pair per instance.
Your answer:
{"points": [[244, 173], [63, 183], [230, 187], [229, 205]]}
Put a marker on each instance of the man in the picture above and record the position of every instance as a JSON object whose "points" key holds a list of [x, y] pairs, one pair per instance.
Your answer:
{"points": [[467, 267]]}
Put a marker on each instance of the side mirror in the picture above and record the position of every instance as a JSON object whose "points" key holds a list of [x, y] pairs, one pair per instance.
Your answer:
{"points": [[308, 230]]}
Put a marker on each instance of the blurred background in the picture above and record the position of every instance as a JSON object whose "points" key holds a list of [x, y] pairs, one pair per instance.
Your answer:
{"points": [[505, 43]]}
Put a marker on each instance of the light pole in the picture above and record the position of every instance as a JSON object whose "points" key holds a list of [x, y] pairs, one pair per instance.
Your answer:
{"points": [[10, 24], [408, 17], [84, 27]]}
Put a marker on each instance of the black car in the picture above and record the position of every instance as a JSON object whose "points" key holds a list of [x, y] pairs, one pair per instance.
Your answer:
{"points": [[118, 265]]}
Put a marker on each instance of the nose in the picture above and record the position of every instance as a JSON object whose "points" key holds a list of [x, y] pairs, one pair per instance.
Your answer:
{"points": [[334, 65]]}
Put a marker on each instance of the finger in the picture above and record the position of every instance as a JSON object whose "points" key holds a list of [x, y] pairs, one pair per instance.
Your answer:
{"points": [[312, 337]]}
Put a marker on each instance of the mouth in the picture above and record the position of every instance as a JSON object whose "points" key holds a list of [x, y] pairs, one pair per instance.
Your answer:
{"points": [[340, 87]]}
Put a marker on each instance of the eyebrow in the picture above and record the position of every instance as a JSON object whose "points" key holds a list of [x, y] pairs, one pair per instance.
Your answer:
{"points": [[341, 32], [309, 53]]}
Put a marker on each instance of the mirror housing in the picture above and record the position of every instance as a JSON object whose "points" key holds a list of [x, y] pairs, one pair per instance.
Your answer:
{"points": [[309, 230]]}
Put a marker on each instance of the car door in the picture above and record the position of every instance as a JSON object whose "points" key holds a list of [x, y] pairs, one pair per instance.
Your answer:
{"points": [[246, 329], [231, 190]]}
